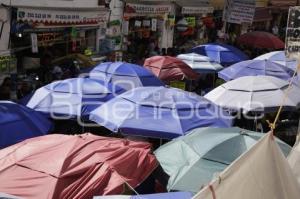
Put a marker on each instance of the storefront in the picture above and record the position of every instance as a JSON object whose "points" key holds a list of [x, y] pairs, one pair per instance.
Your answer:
{"points": [[192, 25], [40, 34], [147, 28]]}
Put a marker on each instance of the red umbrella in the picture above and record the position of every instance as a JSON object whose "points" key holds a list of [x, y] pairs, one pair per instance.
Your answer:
{"points": [[169, 68], [61, 166], [259, 39]]}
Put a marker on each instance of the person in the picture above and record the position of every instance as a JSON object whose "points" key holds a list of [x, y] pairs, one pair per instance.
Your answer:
{"points": [[5, 89]]}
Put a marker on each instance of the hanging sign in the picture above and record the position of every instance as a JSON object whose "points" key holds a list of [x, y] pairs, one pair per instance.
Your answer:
{"points": [[197, 10], [153, 25], [62, 16], [239, 11], [147, 9], [34, 43], [292, 43]]}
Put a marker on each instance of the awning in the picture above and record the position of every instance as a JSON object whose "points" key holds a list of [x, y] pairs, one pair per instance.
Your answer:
{"points": [[51, 17], [283, 2], [262, 14]]}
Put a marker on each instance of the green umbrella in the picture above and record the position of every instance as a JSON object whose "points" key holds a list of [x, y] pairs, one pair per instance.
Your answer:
{"points": [[192, 161]]}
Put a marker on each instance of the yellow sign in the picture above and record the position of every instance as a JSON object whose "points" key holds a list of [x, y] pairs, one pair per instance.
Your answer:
{"points": [[191, 21], [178, 84]]}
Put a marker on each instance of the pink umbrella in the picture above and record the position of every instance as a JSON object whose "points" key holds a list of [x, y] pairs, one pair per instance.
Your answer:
{"points": [[168, 68], [81, 166]]}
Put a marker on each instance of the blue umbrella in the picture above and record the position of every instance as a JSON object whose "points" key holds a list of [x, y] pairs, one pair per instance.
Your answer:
{"points": [[75, 97], [280, 58], [159, 112], [171, 195], [221, 53], [256, 68], [18, 123], [125, 75]]}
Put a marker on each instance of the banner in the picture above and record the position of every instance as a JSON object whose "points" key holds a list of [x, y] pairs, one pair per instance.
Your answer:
{"points": [[197, 10], [34, 43], [62, 16], [147, 9], [239, 11], [292, 43]]}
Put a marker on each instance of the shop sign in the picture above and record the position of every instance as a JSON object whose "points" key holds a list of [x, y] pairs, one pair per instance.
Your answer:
{"points": [[292, 48], [239, 11], [61, 16], [147, 9], [191, 21], [197, 10], [34, 43]]}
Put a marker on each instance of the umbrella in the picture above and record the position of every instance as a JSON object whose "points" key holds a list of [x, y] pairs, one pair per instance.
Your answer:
{"points": [[17, 123], [171, 195], [203, 153], [7, 196], [254, 68], [72, 97], [125, 75], [280, 58], [221, 53], [81, 166], [200, 63], [260, 39], [169, 68], [255, 94], [159, 112]]}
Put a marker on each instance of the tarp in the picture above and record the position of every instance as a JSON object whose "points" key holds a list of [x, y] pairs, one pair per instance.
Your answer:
{"points": [[294, 161], [261, 173], [171, 195], [77, 167]]}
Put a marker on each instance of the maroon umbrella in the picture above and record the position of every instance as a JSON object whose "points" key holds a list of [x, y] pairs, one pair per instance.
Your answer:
{"points": [[259, 39], [168, 68]]}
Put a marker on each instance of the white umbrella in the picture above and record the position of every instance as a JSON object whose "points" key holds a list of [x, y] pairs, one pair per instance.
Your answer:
{"points": [[200, 63], [280, 58], [255, 94]]}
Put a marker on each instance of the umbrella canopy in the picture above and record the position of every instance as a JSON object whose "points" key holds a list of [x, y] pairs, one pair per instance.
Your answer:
{"points": [[125, 75], [255, 94], [260, 39], [200, 63], [169, 68], [171, 195], [18, 123], [262, 172], [221, 53], [159, 112], [203, 153], [75, 97], [81, 166], [255, 68], [280, 58]]}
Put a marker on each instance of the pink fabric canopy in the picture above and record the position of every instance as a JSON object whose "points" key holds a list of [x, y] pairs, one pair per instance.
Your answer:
{"points": [[61, 166]]}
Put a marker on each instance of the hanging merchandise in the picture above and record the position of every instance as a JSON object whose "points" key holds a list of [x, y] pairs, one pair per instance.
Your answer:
{"points": [[153, 25]]}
